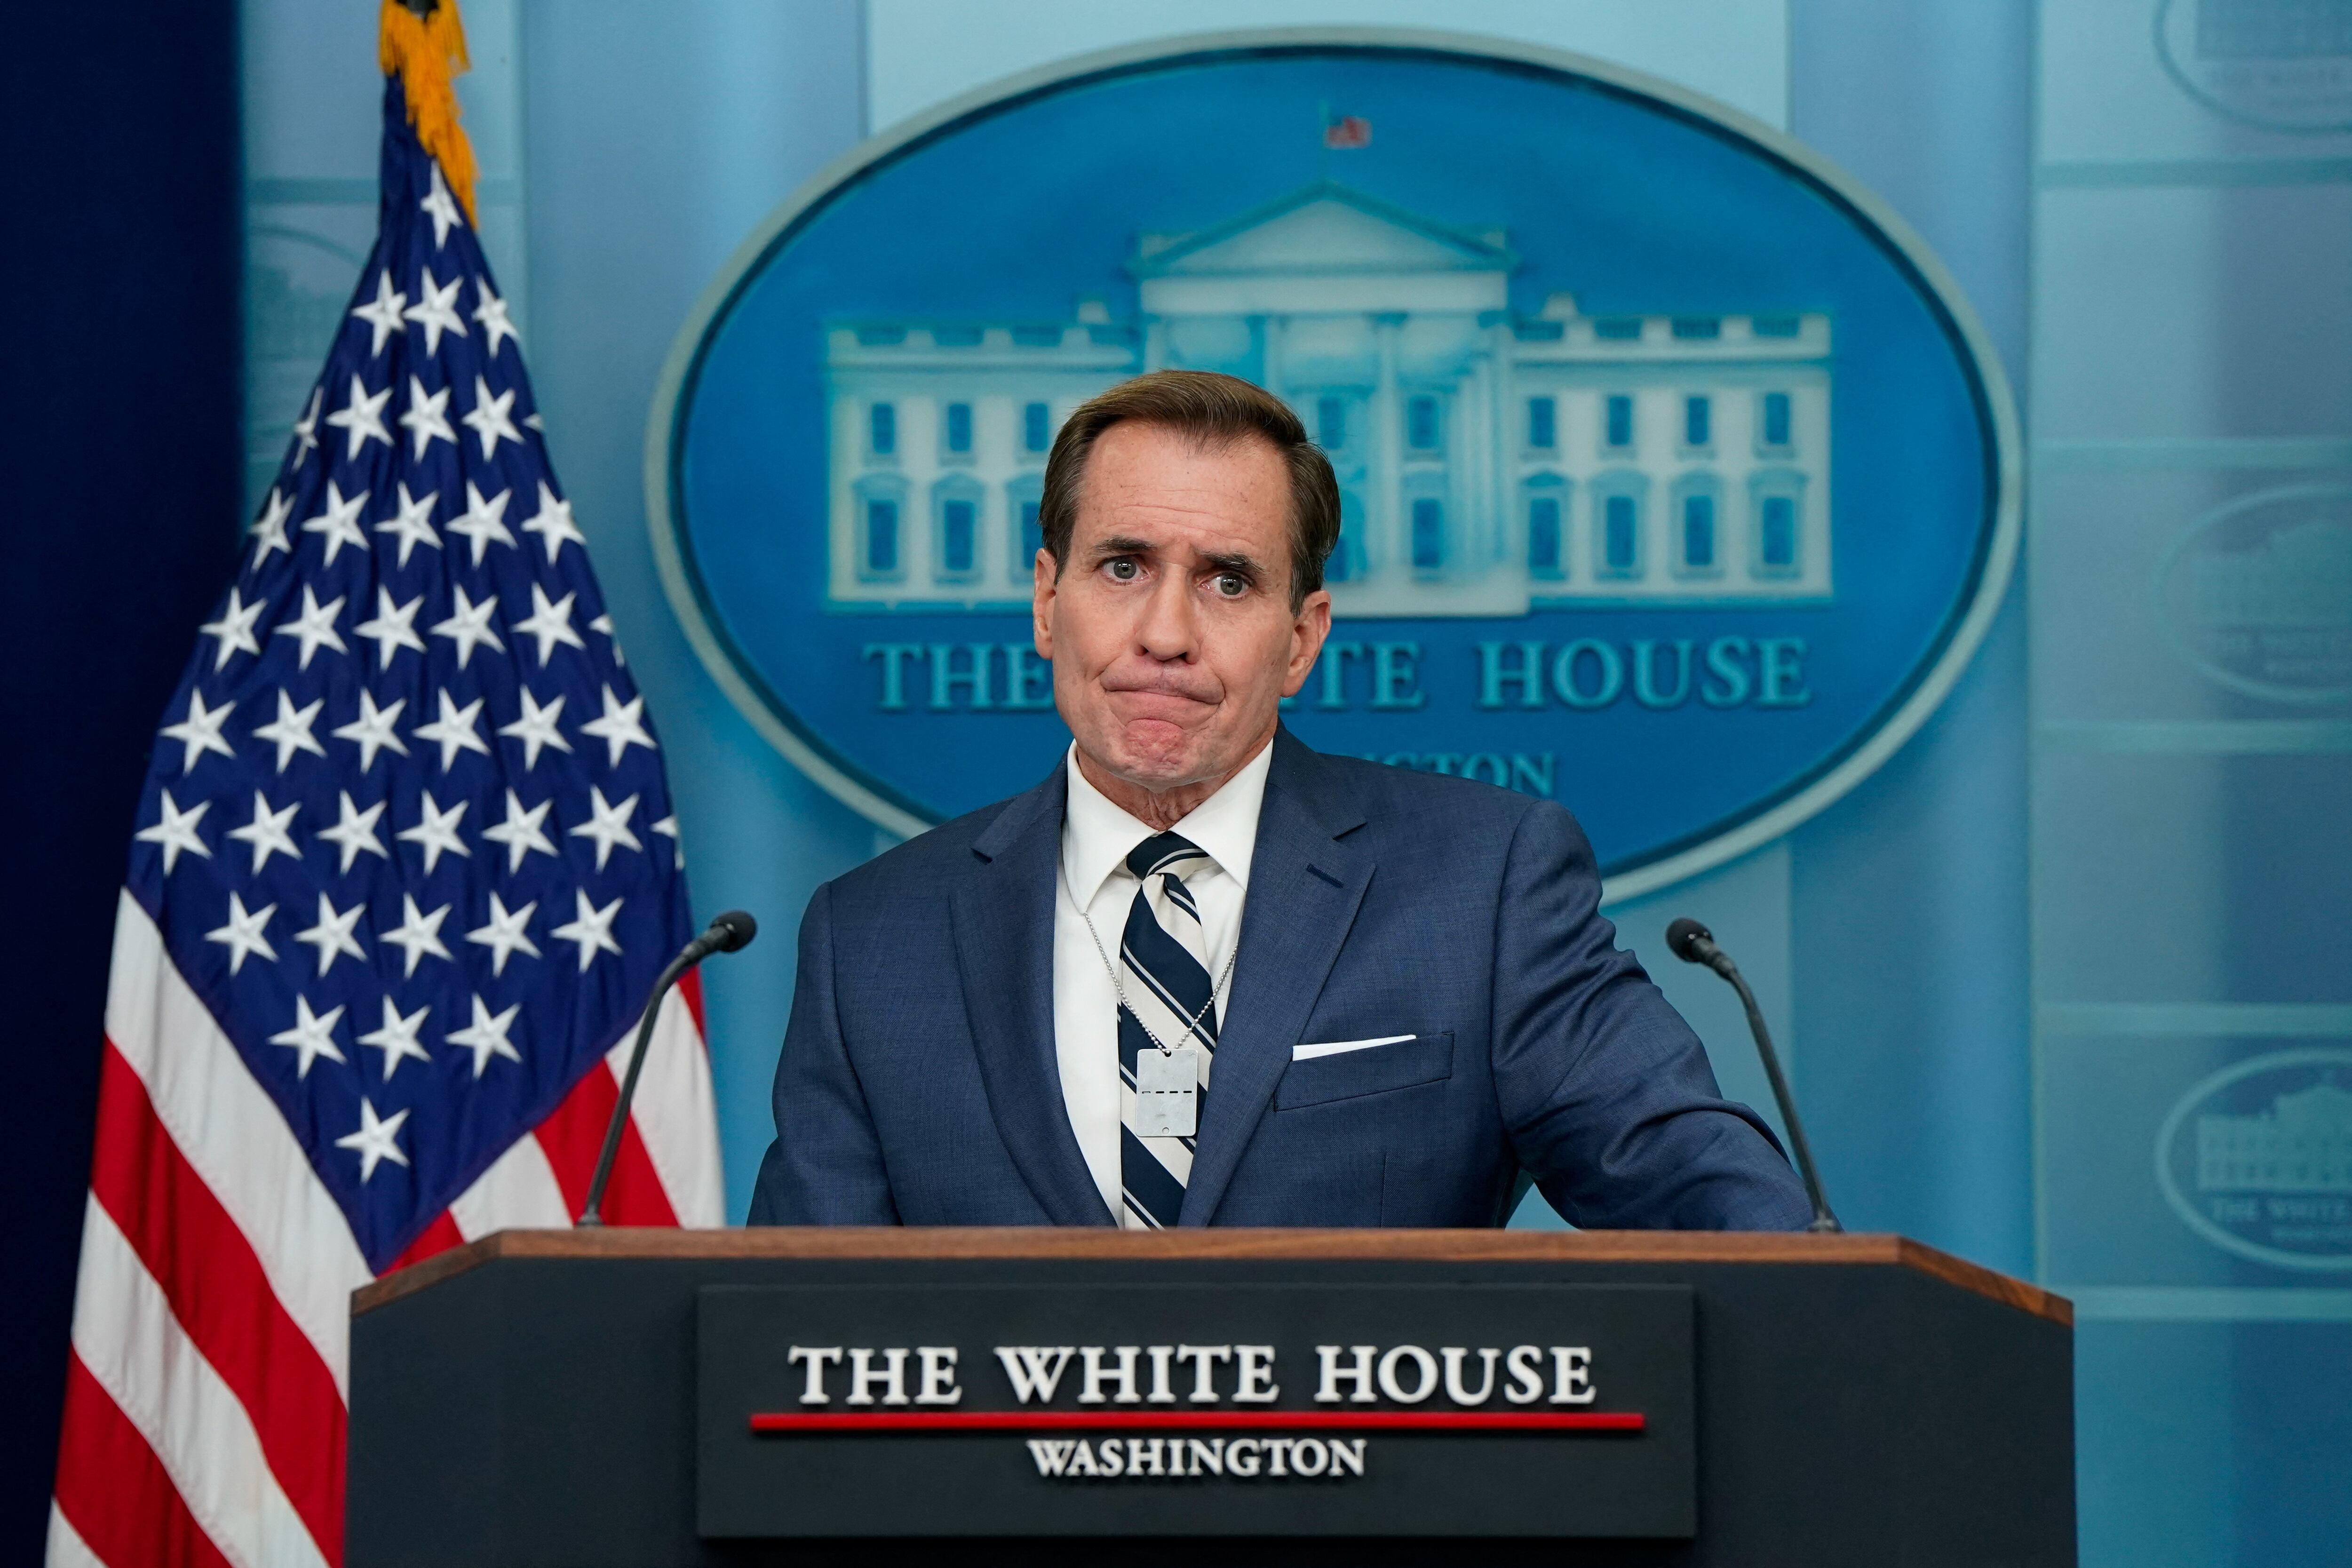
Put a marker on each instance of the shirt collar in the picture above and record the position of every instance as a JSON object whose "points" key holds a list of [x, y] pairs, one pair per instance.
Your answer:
{"points": [[1097, 836]]}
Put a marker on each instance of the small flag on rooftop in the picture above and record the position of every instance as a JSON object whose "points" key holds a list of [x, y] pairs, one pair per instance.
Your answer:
{"points": [[1342, 131]]}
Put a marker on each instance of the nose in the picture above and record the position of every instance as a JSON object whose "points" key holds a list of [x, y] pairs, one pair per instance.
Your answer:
{"points": [[1168, 630]]}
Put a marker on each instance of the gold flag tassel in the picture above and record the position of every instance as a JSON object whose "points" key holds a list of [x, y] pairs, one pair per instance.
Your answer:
{"points": [[423, 43]]}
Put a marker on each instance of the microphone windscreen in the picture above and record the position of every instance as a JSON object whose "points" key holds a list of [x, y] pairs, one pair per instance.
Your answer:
{"points": [[736, 928], [1683, 938]]}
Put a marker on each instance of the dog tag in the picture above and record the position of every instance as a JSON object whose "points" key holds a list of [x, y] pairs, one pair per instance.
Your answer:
{"points": [[1167, 1093]]}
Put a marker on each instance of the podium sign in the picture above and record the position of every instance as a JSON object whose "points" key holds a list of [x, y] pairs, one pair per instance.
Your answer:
{"points": [[1473, 1409]]}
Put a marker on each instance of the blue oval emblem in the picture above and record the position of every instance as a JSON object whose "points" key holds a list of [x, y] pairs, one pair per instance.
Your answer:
{"points": [[1677, 483], [2257, 1158], [2257, 595]]}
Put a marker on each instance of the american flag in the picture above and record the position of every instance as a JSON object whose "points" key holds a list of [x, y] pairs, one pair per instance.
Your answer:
{"points": [[405, 870], [1346, 130]]}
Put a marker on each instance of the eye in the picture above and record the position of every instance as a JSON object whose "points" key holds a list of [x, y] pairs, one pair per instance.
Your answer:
{"points": [[1123, 569], [1232, 584]]}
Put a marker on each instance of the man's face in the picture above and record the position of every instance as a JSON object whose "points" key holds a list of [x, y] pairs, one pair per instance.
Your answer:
{"points": [[1171, 628]]}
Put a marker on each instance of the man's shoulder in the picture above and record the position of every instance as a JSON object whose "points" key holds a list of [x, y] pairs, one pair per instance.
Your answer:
{"points": [[921, 865]]}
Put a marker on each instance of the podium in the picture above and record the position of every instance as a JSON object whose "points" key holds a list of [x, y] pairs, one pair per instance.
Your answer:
{"points": [[648, 1397]]}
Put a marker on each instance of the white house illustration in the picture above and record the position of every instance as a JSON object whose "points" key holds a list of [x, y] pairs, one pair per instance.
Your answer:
{"points": [[2302, 1145], [1488, 463]]}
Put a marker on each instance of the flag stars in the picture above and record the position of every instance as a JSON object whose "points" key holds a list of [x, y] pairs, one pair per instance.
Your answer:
{"points": [[362, 418], [607, 825], [483, 521], [536, 729], [382, 313], [552, 523], [355, 831], [485, 1037], [306, 430], [438, 206], [234, 630], [315, 626], [176, 831], [488, 419], [332, 936], [435, 311], [521, 832], [621, 727], [469, 623], [416, 935], [455, 729], [506, 935], [490, 313], [243, 935], [604, 624], [550, 623], [397, 1038], [268, 530], [313, 1036], [667, 828], [340, 523], [290, 730], [394, 629], [372, 731], [413, 523], [591, 927], [266, 832], [373, 1142], [427, 419], [200, 732], [436, 831]]}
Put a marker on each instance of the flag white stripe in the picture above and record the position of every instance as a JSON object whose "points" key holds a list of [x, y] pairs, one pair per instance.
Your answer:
{"points": [[517, 1192], [137, 1351], [66, 1547], [674, 1114], [234, 1137]]}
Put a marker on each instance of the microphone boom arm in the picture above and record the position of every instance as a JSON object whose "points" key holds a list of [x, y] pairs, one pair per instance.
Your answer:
{"points": [[728, 932], [1694, 944]]}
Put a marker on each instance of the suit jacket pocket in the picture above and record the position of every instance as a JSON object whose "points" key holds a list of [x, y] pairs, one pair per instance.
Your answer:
{"points": [[1425, 1059]]}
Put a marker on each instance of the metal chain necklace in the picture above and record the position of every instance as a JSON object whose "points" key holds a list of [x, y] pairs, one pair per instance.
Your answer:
{"points": [[1192, 1024]]}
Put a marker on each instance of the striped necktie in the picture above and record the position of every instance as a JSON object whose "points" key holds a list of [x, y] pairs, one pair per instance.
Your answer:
{"points": [[1163, 958]]}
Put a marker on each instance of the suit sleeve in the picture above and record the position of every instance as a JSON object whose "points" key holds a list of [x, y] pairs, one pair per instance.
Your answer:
{"points": [[825, 1166], [1605, 1090]]}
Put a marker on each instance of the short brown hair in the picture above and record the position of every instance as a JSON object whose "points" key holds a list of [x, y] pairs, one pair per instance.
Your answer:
{"points": [[1215, 411]]}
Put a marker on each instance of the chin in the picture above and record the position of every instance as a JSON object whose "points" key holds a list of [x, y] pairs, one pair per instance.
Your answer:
{"points": [[1158, 762]]}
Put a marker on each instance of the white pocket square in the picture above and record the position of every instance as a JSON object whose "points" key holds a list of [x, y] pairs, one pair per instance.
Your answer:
{"points": [[1333, 1047]]}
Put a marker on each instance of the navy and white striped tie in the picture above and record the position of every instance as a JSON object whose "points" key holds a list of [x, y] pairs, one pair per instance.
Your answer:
{"points": [[1163, 958]]}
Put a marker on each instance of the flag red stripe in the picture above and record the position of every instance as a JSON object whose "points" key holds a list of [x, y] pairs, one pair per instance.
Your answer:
{"points": [[573, 1135], [439, 1237], [691, 987], [210, 1275], [114, 1491]]}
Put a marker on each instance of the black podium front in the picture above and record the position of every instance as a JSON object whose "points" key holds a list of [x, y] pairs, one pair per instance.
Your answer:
{"points": [[659, 1397]]}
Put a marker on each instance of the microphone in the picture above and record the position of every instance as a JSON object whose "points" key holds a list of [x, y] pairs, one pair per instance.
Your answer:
{"points": [[729, 933], [1694, 944]]}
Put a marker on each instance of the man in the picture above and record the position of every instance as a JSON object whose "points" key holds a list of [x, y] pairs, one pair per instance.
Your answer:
{"points": [[1202, 974]]}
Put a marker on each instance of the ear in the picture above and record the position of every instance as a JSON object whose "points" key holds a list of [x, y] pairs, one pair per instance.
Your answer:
{"points": [[1043, 574], [1308, 628]]}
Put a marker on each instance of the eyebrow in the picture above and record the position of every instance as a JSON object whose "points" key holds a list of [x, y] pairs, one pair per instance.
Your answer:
{"points": [[1120, 545], [1239, 564]]}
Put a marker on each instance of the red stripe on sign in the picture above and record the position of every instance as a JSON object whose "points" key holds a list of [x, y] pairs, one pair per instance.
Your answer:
{"points": [[573, 1134], [114, 1491], [1211, 1420], [439, 1237], [209, 1273]]}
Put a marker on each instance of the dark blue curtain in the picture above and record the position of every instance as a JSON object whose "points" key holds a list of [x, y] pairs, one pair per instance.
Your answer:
{"points": [[120, 262]]}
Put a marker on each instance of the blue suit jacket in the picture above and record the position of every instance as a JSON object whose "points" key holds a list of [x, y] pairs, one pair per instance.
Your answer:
{"points": [[919, 1084]]}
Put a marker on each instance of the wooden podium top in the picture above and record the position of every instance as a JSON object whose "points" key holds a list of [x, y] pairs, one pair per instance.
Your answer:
{"points": [[1043, 1242]]}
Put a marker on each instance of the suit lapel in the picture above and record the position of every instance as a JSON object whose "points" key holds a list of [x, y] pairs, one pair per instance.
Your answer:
{"points": [[1305, 882], [1002, 909]]}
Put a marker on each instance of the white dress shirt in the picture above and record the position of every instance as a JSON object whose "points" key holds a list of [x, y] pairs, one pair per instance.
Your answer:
{"points": [[1097, 837]]}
